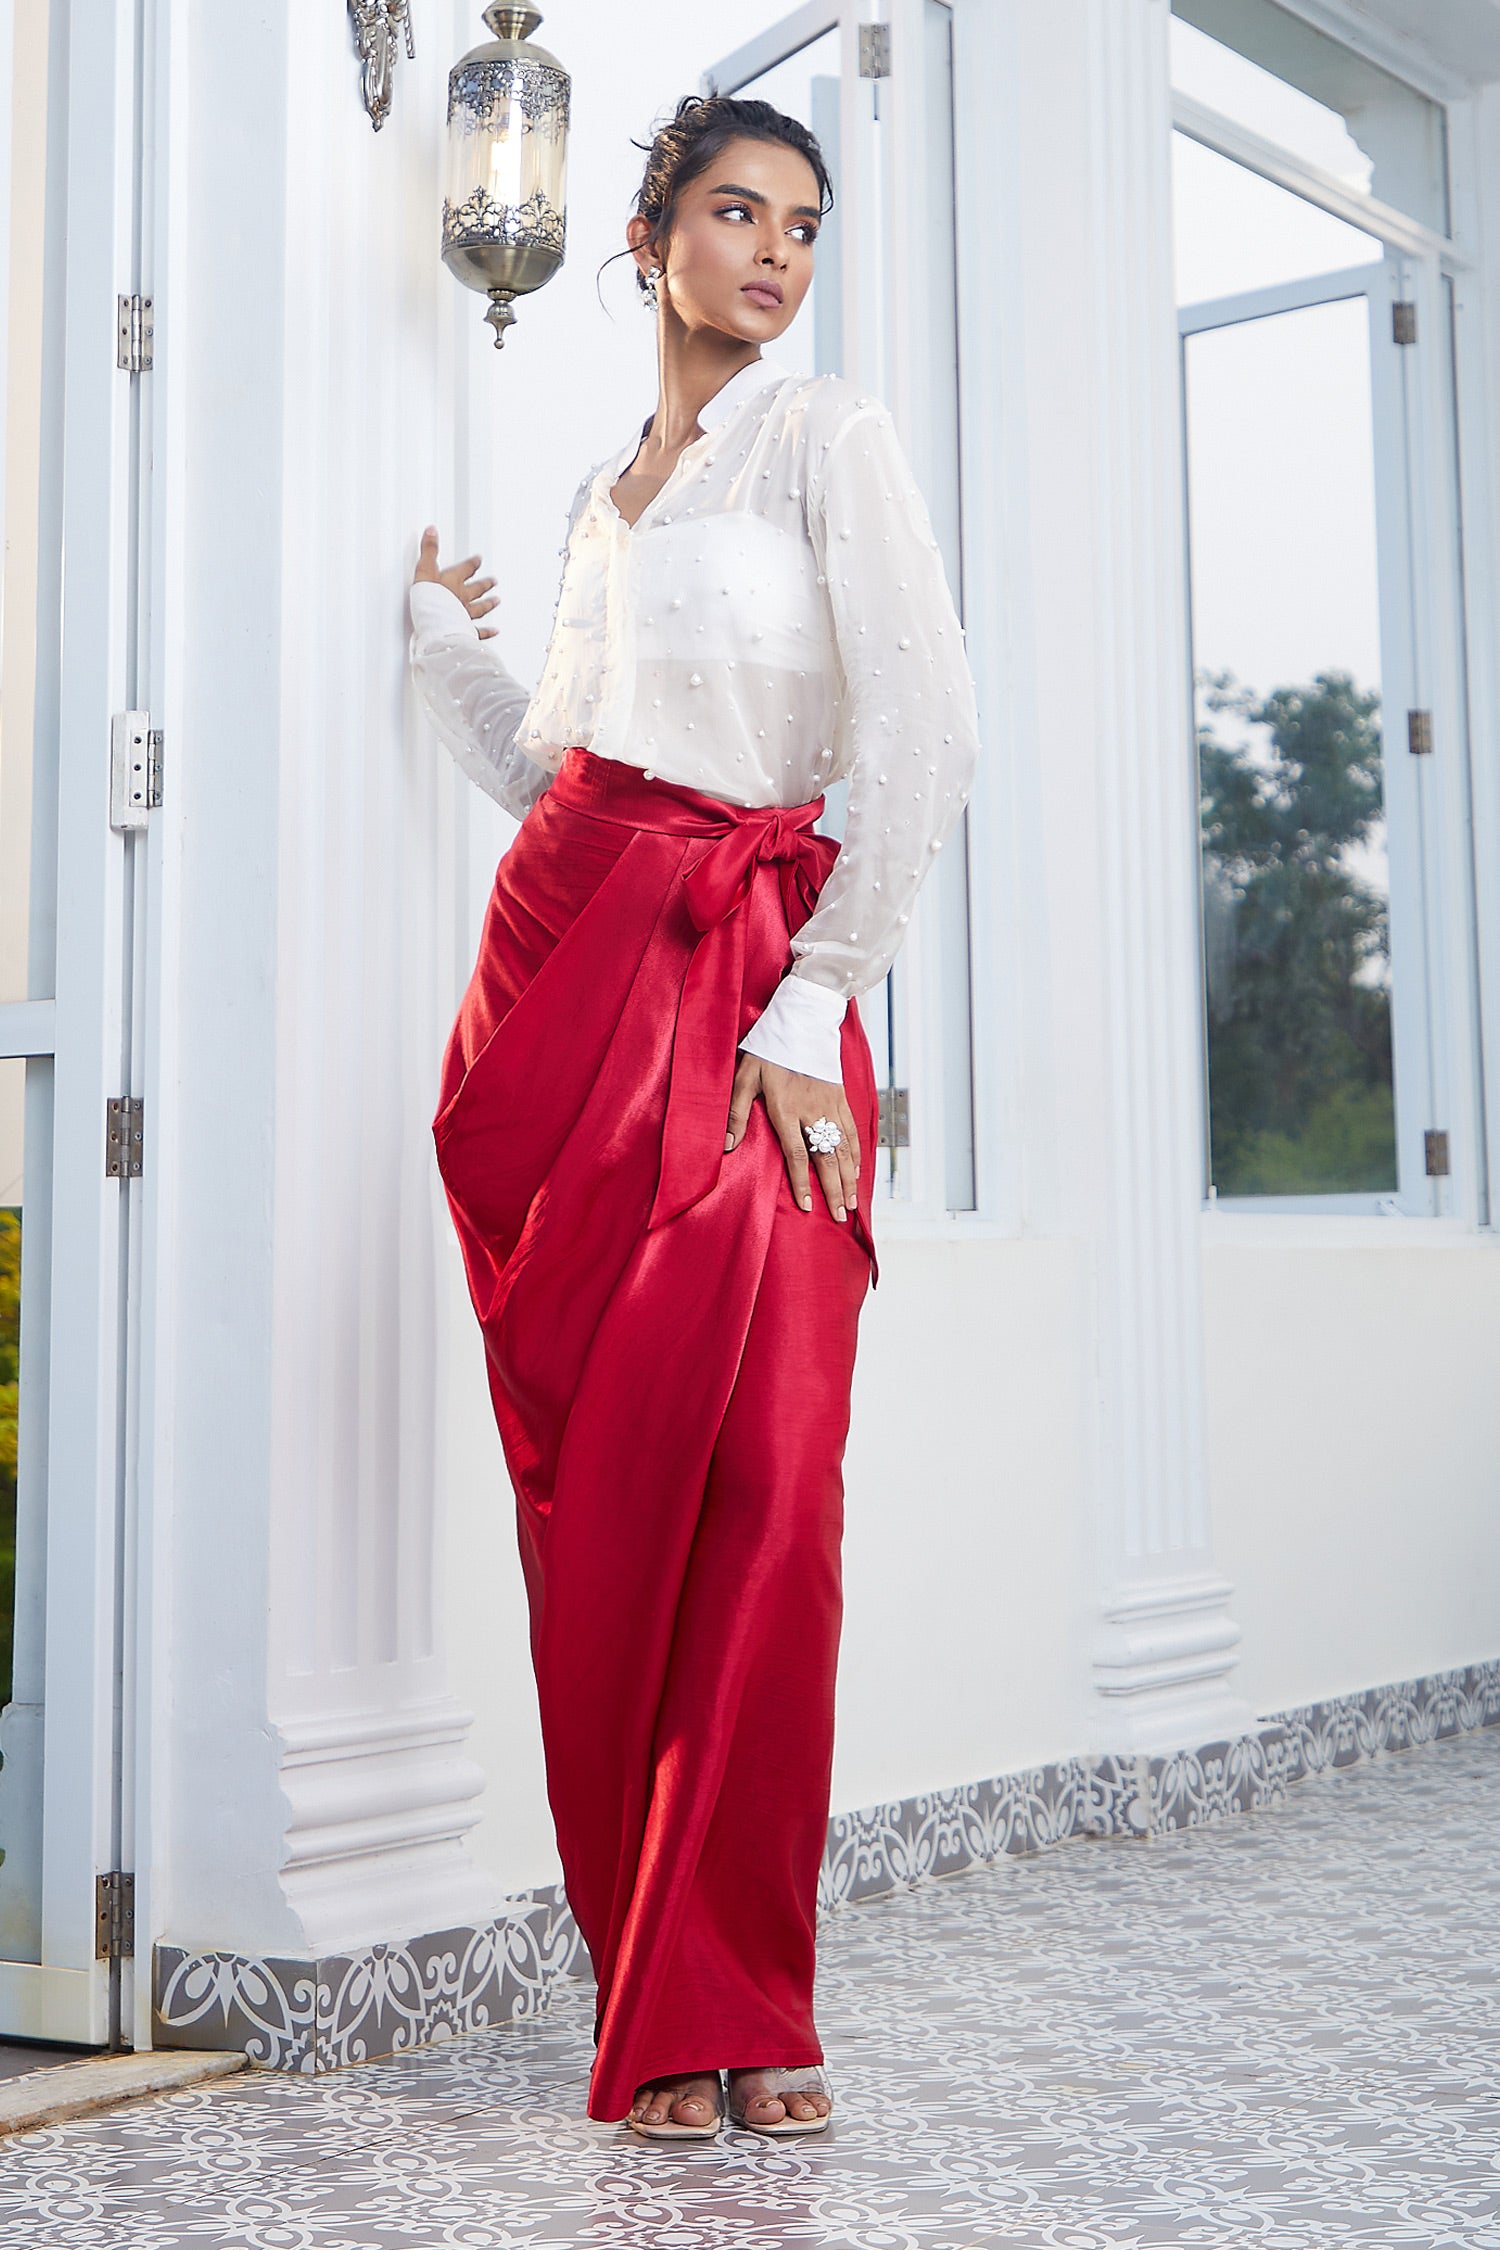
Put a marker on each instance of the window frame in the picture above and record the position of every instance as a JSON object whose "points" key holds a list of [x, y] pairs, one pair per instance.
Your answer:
{"points": [[938, 1059], [1458, 902]]}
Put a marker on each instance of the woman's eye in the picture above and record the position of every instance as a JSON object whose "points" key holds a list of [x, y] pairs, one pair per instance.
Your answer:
{"points": [[808, 233]]}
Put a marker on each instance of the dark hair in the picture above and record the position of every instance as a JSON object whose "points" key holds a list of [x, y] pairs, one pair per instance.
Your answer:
{"points": [[700, 128]]}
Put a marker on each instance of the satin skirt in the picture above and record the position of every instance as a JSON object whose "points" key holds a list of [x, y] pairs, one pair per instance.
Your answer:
{"points": [[670, 1345]]}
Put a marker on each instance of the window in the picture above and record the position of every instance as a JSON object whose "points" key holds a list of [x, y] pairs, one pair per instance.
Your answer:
{"points": [[919, 1019], [1268, 71], [1314, 350]]}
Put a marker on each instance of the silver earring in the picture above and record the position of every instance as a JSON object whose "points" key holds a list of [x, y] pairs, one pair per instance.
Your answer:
{"points": [[652, 279]]}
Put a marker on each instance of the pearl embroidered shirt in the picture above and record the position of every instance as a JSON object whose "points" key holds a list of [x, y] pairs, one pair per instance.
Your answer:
{"points": [[777, 619]]}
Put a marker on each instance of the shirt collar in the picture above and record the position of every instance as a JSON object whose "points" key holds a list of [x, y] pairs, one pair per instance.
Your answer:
{"points": [[757, 375]]}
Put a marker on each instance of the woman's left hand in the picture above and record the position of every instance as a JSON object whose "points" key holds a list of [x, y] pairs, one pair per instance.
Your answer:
{"points": [[792, 1101]]}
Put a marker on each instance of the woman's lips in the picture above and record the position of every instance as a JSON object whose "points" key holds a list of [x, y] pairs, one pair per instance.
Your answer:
{"points": [[763, 292]]}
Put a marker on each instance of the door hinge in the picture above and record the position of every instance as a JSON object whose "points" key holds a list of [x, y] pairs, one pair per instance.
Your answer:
{"points": [[894, 1127], [1403, 322], [1435, 1155], [135, 756], [1419, 733], [114, 1917], [134, 334], [124, 1137], [874, 50]]}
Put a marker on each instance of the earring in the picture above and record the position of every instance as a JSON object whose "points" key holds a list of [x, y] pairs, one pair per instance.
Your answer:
{"points": [[652, 279]]}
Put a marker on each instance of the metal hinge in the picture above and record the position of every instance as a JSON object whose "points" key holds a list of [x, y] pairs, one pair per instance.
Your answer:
{"points": [[114, 1917], [1403, 322], [124, 1137], [135, 757], [874, 50], [134, 333], [1435, 1155], [1419, 733], [894, 1126]]}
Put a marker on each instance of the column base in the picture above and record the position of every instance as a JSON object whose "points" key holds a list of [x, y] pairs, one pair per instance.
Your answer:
{"points": [[379, 1804], [1161, 1659]]}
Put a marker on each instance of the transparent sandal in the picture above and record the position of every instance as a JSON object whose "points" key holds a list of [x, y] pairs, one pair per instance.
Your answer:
{"points": [[669, 2129], [807, 2078]]}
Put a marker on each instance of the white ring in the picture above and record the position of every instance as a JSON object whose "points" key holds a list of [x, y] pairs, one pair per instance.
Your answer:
{"points": [[823, 1136]]}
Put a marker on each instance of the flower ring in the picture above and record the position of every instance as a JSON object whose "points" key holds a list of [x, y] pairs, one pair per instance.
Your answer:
{"points": [[823, 1136]]}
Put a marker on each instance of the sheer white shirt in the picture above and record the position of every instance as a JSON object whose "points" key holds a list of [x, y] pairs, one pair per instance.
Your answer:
{"points": [[777, 619]]}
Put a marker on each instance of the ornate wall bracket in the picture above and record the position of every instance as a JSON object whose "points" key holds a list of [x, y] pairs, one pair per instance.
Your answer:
{"points": [[376, 25]]}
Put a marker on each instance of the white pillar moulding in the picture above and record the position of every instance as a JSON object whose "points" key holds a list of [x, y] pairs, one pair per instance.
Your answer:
{"points": [[1070, 365], [1165, 1642], [373, 1765]]}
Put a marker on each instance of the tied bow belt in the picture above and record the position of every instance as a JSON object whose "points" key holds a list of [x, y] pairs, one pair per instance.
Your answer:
{"points": [[732, 850]]}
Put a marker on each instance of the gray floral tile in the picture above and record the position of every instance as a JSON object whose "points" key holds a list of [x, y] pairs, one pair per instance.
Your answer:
{"points": [[308, 2016], [342, 2008], [1272, 2031]]}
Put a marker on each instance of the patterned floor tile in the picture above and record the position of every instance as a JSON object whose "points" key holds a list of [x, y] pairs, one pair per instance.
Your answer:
{"points": [[1278, 2032]]}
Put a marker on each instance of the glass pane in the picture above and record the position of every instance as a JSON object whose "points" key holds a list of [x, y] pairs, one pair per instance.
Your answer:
{"points": [[24, 797], [12, 1173], [1286, 653], [950, 878], [806, 86], [1233, 231], [25, 1141], [1271, 72]]}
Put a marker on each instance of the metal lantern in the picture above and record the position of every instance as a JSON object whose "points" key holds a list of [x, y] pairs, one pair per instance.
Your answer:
{"points": [[504, 213]]}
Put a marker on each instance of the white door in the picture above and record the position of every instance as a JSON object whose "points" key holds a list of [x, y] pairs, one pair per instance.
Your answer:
{"points": [[68, 472], [883, 312]]}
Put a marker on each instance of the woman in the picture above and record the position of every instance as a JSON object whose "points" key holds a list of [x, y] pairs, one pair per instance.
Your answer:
{"points": [[657, 1057]]}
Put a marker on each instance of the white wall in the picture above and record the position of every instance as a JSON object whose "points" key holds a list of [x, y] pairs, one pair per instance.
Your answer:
{"points": [[1354, 1443]]}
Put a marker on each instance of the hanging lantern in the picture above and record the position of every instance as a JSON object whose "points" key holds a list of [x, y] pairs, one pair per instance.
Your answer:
{"points": [[504, 214]]}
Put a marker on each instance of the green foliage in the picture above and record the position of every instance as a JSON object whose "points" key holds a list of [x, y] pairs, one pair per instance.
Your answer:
{"points": [[10, 1370], [1299, 1017]]}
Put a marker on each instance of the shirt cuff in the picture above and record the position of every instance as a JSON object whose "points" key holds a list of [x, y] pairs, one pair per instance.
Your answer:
{"points": [[800, 1030], [436, 610]]}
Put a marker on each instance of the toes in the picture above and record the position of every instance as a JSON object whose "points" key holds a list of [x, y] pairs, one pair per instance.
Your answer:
{"points": [[675, 2104]]}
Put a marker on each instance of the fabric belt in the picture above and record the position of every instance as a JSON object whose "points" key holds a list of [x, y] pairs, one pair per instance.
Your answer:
{"points": [[730, 850]]}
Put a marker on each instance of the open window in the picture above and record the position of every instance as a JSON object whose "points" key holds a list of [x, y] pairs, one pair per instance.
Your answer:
{"points": [[879, 97], [1325, 623]]}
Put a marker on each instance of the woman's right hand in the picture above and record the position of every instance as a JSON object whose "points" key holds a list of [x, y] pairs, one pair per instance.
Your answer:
{"points": [[459, 579]]}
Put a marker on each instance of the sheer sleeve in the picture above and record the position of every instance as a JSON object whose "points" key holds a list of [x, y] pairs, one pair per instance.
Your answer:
{"points": [[475, 705], [912, 739]]}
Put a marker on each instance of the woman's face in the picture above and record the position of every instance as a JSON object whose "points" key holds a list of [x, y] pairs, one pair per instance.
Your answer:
{"points": [[740, 254]]}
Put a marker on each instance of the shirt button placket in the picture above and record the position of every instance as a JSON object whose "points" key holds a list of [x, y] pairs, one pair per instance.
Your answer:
{"points": [[617, 682]]}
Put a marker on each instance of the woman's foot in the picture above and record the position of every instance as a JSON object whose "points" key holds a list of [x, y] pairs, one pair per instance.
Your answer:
{"points": [[753, 2100], [691, 2099]]}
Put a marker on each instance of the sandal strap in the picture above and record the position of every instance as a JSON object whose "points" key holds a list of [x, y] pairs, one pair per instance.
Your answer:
{"points": [[789, 2078], [774, 2081]]}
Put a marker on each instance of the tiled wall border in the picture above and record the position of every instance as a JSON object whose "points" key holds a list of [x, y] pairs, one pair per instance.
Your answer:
{"points": [[316, 2015]]}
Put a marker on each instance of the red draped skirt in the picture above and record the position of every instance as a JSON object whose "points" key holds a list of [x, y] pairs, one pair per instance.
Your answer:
{"points": [[670, 1344]]}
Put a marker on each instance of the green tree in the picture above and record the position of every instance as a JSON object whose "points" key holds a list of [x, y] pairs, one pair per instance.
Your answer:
{"points": [[1297, 941]]}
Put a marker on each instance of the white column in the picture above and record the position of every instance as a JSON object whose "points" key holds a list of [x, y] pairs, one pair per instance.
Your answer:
{"points": [[1166, 1641], [1064, 199], [373, 1762], [312, 332]]}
